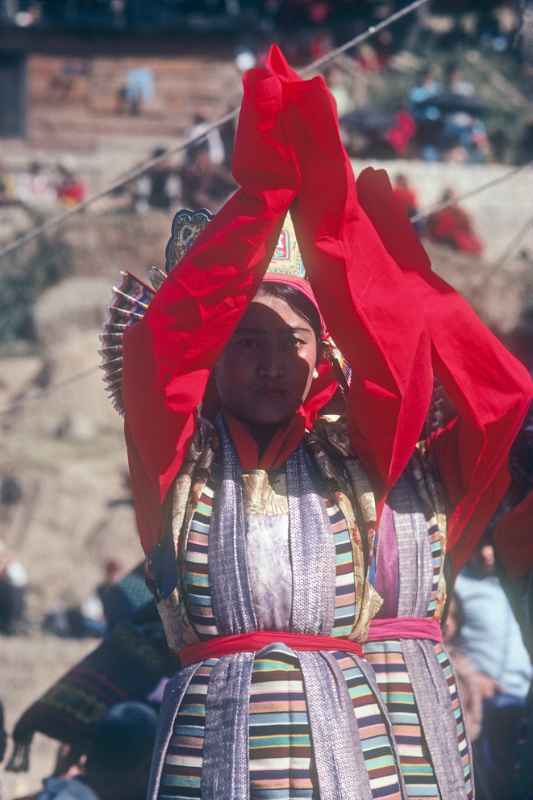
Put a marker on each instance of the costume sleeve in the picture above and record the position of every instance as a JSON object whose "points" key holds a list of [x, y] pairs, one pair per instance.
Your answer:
{"points": [[489, 388], [169, 354], [361, 292], [399, 324]]}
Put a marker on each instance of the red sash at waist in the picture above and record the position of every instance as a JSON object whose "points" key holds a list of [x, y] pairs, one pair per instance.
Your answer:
{"points": [[404, 628], [218, 646]]}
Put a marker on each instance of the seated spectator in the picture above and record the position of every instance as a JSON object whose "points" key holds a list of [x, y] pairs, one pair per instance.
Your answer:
{"points": [[405, 195], [525, 145], [453, 227], [213, 139], [402, 132], [137, 92], [336, 81], [13, 589], [7, 186], [425, 88], [70, 188], [118, 759], [157, 188], [36, 186], [454, 83], [368, 59], [427, 116], [491, 639], [204, 184]]}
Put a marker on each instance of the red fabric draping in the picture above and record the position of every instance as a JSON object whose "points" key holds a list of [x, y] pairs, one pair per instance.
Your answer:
{"points": [[219, 646], [383, 628], [513, 538], [169, 354], [395, 321]]}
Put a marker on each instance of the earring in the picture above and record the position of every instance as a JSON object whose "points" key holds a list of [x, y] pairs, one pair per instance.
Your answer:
{"points": [[315, 374]]}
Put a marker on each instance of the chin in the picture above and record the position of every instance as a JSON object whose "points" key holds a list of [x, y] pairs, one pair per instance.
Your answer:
{"points": [[269, 416]]}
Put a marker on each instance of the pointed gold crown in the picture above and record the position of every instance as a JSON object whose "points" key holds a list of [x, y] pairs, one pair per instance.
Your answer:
{"points": [[287, 259]]}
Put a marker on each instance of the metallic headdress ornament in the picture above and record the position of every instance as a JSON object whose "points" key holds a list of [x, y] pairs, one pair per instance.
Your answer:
{"points": [[287, 259], [132, 296]]}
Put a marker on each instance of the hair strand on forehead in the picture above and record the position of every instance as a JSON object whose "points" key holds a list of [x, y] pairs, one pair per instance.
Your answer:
{"points": [[297, 301]]}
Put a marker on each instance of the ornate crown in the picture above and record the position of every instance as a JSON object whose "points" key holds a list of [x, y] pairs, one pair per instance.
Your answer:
{"points": [[132, 296]]}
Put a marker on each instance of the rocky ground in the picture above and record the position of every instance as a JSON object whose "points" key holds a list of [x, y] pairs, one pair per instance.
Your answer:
{"points": [[65, 446]]}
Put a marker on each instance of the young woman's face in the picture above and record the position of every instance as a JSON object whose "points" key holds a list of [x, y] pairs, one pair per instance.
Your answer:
{"points": [[266, 370]]}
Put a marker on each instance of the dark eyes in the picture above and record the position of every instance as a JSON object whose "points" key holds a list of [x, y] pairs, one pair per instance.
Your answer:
{"points": [[251, 343]]}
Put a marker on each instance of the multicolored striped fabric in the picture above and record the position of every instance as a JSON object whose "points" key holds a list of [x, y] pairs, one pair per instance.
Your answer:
{"points": [[196, 588], [281, 765], [437, 557], [462, 741], [393, 681], [280, 745], [379, 757], [419, 591], [345, 610], [182, 768], [279, 733]]}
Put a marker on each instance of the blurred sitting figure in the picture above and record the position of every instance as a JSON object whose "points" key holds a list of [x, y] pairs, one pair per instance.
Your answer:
{"points": [[118, 759], [490, 638], [7, 186], [36, 187], [157, 188], [204, 184], [213, 139], [405, 195], [427, 116], [402, 132], [70, 188], [454, 82], [452, 226], [13, 588], [113, 572], [336, 82], [425, 88], [137, 92]]}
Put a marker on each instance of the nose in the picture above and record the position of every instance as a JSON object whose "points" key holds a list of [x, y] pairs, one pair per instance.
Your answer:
{"points": [[272, 362]]}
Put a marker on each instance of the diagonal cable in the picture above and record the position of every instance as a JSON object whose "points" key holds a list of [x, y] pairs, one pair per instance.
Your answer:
{"points": [[146, 165]]}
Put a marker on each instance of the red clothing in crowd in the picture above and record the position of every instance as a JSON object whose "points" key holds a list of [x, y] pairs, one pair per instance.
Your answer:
{"points": [[406, 199], [71, 191], [402, 132], [452, 226]]}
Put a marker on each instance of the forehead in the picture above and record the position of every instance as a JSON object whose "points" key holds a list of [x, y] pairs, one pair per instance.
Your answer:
{"points": [[267, 313]]}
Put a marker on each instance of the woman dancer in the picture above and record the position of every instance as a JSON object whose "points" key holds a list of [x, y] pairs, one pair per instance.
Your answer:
{"points": [[260, 528]]}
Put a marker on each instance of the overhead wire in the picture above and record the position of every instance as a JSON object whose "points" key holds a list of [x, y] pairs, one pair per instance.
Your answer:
{"points": [[149, 163]]}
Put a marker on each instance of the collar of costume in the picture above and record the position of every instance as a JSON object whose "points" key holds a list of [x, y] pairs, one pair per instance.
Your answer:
{"points": [[288, 436]]}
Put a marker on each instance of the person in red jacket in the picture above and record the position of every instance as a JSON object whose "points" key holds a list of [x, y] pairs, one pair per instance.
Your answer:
{"points": [[453, 226], [70, 189]]}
